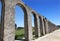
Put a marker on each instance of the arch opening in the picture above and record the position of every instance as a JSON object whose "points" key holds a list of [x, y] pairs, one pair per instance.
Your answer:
{"points": [[35, 36], [33, 26], [19, 22]]}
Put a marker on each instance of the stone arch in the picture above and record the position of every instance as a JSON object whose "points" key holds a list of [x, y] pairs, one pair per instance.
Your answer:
{"points": [[23, 7], [41, 25], [27, 24], [25, 14], [8, 24], [47, 28], [36, 24], [46, 25]]}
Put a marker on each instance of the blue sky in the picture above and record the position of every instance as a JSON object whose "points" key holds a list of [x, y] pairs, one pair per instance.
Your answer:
{"points": [[48, 8]]}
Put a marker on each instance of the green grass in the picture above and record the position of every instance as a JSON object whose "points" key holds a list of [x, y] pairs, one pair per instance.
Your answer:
{"points": [[19, 33]]}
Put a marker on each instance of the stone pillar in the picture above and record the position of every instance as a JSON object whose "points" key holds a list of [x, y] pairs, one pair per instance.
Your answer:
{"points": [[38, 23], [37, 26], [41, 28], [42, 25], [28, 26], [8, 24], [46, 25]]}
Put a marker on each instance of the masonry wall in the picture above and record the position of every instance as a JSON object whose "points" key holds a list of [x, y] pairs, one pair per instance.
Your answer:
{"points": [[7, 26], [52, 27]]}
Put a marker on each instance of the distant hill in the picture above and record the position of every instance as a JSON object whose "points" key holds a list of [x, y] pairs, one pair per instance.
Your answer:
{"points": [[20, 27]]}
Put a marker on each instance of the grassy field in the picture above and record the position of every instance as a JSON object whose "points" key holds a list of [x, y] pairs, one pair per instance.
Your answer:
{"points": [[19, 33]]}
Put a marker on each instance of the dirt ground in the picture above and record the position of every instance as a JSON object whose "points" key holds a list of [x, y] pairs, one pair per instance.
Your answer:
{"points": [[54, 36]]}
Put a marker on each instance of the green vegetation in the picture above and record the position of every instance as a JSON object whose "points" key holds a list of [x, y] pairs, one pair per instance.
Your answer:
{"points": [[19, 33]]}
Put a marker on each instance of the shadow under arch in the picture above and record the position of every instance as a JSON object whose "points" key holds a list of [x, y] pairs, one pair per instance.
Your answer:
{"points": [[25, 16], [2, 19]]}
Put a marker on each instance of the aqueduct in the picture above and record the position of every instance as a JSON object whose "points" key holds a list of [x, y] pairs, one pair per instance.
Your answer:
{"points": [[7, 26]]}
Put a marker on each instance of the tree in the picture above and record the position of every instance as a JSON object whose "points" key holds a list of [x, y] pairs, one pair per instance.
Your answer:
{"points": [[15, 26]]}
